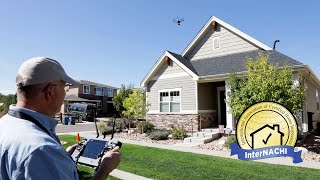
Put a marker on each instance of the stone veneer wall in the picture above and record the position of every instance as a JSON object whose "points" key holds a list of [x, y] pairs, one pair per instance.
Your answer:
{"points": [[189, 121]]}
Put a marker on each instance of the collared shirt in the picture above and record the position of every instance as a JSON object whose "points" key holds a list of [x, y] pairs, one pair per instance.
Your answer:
{"points": [[27, 152]]}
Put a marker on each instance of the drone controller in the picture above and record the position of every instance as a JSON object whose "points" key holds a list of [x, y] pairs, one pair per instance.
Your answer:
{"points": [[90, 151]]}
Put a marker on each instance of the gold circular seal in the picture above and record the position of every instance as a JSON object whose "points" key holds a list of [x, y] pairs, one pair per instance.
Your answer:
{"points": [[266, 124]]}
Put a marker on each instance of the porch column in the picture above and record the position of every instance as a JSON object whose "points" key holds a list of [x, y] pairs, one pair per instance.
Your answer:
{"points": [[228, 109]]}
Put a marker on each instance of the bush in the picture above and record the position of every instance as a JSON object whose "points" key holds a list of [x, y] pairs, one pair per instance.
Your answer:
{"points": [[103, 128], [178, 133], [231, 139], [145, 127], [159, 135], [121, 123]]}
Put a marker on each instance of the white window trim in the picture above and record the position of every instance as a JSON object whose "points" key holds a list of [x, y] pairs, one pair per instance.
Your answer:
{"points": [[169, 90], [83, 89], [109, 90], [95, 91], [317, 97], [213, 39]]}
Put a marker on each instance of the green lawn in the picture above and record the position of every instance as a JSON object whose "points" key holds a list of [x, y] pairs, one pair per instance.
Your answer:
{"points": [[167, 164]]}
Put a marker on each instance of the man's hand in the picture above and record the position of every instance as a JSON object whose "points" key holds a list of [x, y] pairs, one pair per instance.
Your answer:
{"points": [[108, 163], [70, 149]]}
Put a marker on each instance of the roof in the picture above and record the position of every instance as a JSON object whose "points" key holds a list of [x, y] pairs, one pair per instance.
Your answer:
{"points": [[73, 97], [182, 62], [96, 84], [208, 25], [224, 64]]}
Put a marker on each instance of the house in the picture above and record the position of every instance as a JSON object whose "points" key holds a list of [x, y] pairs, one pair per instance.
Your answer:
{"points": [[90, 92], [190, 88], [267, 136]]}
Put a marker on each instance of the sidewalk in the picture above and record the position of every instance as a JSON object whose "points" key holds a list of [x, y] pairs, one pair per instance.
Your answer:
{"points": [[225, 154]]}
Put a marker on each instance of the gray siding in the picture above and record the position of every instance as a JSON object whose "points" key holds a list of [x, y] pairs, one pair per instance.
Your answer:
{"points": [[230, 43], [311, 100], [187, 85], [169, 69]]}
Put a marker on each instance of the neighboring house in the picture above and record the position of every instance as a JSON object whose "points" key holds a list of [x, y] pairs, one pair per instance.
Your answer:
{"points": [[190, 88], [91, 92]]}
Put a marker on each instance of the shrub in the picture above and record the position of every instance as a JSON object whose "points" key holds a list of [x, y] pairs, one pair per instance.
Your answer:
{"points": [[159, 135], [178, 133], [121, 123], [145, 127], [104, 129], [231, 139]]}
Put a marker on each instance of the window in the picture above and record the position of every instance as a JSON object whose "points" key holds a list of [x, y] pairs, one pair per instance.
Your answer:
{"points": [[170, 101], [109, 92], [216, 42], [86, 89], [99, 91], [99, 105]]}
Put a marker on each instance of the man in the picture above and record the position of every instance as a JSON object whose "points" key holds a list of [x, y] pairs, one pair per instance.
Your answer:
{"points": [[29, 146]]}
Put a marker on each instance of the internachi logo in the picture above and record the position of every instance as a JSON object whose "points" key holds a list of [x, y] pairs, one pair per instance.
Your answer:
{"points": [[265, 130]]}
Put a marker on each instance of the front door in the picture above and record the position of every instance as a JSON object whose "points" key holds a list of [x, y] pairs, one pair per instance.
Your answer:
{"points": [[310, 126], [222, 104]]}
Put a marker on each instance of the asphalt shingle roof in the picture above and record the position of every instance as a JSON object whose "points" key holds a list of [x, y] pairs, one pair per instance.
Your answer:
{"points": [[224, 64]]}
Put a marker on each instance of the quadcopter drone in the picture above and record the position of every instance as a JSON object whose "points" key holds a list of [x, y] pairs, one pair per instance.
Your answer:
{"points": [[178, 20]]}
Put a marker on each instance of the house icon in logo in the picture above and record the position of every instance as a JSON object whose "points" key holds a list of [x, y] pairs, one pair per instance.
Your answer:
{"points": [[267, 136]]}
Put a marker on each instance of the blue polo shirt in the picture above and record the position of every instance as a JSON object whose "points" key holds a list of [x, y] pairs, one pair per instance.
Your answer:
{"points": [[27, 152]]}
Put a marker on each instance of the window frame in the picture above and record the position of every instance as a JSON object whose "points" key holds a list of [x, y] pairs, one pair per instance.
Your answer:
{"points": [[95, 91], [83, 89], [109, 90], [169, 96]]}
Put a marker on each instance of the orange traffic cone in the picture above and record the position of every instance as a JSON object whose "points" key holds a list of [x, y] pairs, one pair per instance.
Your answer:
{"points": [[78, 137]]}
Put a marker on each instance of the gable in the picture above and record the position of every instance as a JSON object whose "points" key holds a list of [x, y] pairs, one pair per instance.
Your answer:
{"points": [[179, 66], [169, 71], [216, 23], [229, 43]]}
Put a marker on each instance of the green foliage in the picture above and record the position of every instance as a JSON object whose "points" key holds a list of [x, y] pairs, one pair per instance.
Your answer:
{"points": [[7, 101], [103, 128], [118, 98], [145, 127], [178, 133], [159, 135], [265, 82], [135, 105], [231, 139]]}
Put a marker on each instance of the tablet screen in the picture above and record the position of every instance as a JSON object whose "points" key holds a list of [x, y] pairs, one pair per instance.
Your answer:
{"points": [[93, 148]]}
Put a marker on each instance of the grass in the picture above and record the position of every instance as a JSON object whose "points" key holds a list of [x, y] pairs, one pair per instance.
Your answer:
{"points": [[167, 164]]}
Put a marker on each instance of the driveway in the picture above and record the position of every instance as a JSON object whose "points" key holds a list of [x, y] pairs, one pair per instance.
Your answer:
{"points": [[79, 127]]}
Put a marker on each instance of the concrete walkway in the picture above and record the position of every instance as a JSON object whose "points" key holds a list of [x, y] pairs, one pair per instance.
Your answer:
{"points": [[183, 148]]}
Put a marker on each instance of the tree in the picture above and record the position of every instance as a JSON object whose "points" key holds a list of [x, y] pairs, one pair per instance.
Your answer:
{"points": [[118, 98], [265, 82], [7, 101], [135, 105]]}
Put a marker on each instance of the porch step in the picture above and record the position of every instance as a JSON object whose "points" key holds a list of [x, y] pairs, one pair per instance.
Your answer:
{"points": [[203, 134], [202, 137], [210, 130]]}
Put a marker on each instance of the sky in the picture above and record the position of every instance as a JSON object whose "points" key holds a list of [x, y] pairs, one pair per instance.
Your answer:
{"points": [[117, 42]]}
